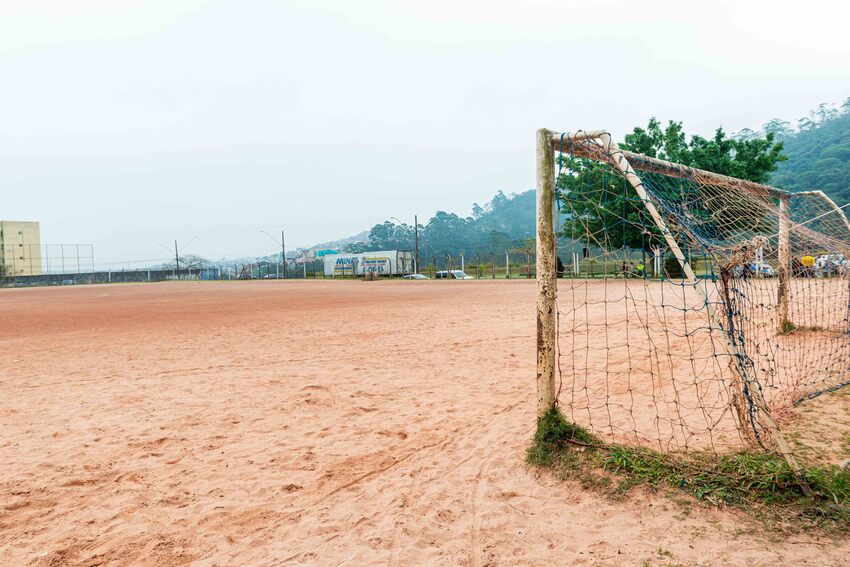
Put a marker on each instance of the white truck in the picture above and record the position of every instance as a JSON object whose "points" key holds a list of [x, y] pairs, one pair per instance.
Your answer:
{"points": [[382, 262]]}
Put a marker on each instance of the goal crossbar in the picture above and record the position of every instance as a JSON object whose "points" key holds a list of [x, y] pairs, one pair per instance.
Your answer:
{"points": [[656, 165], [597, 145]]}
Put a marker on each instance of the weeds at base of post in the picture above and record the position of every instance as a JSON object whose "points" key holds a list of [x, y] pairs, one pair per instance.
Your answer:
{"points": [[761, 483]]}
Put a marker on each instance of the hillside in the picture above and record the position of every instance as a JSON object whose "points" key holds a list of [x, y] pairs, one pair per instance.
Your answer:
{"points": [[506, 222], [819, 157], [818, 153]]}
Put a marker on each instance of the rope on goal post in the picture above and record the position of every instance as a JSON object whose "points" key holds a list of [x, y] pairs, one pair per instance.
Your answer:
{"points": [[641, 345]]}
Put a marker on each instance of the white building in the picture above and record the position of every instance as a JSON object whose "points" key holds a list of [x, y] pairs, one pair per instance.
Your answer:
{"points": [[382, 262]]}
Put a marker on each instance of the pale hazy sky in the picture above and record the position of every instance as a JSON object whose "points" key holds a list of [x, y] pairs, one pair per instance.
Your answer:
{"points": [[130, 123]]}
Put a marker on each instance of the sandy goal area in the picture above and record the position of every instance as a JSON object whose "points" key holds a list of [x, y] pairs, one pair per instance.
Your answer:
{"points": [[308, 423]]}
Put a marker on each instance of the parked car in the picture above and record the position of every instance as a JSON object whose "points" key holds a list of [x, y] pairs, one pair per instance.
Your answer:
{"points": [[415, 277], [765, 269], [830, 264], [752, 269], [452, 275]]}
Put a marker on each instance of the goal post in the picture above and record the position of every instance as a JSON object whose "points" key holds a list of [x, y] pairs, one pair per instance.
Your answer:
{"points": [[784, 323], [831, 209], [546, 265], [692, 347], [546, 273]]}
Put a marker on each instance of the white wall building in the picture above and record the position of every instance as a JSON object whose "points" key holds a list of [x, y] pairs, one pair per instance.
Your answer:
{"points": [[383, 262]]}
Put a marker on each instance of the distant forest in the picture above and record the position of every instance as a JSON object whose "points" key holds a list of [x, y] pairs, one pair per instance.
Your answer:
{"points": [[813, 153], [818, 151], [505, 223]]}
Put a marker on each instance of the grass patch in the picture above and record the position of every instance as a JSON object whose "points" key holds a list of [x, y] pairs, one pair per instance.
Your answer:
{"points": [[788, 327], [754, 481]]}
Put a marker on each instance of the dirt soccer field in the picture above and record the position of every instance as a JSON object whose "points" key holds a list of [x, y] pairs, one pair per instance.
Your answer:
{"points": [[309, 423]]}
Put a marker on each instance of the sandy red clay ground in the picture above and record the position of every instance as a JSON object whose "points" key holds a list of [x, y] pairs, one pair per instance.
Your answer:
{"points": [[309, 423]]}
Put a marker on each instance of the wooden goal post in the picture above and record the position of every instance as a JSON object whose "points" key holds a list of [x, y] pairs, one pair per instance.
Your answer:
{"points": [[548, 143]]}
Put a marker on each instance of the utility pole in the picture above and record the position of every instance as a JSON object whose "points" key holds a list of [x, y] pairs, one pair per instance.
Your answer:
{"points": [[416, 237], [283, 253], [282, 244], [176, 269]]}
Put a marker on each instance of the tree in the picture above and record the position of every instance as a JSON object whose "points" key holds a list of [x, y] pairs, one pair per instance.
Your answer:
{"points": [[498, 201], [745, 134], [605, 207], [602, 209], [356, 248], [824, 112], [391, 236], [668, 144], [805, 124], [777, 127], [188, 262], [381, 235], [477, 211], [446, 233], [819, 156], [493, 227]]}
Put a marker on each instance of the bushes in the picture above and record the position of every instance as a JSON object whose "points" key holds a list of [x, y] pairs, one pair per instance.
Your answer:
{"points": [[672, 268]]}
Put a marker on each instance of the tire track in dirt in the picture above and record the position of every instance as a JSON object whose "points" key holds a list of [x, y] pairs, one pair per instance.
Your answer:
{"points": [[477, 497], [376, 471], [416, 462]]}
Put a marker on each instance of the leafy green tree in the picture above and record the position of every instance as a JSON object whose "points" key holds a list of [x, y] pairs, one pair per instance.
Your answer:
{"points": [[824, 112], [356, 248], [667, 144], [746, 134], [477, 211], [494, 227], [188, 261], [819, 155], [778, 127], [805, 124], [609, 214], [391, 236], [446, 233], [601, 209]]}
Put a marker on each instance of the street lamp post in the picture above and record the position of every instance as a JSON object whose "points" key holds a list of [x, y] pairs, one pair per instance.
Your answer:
{"points": [[282, 244], [416, 241], [176, 254], [396, 232]]}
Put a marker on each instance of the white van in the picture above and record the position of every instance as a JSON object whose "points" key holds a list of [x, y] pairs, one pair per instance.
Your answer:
{"points": [[452, 275]]}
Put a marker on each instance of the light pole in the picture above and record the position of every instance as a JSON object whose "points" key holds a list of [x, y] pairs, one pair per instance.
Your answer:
{"points": [[395, 231], [416, 241], [282, 244], [176, 253]]}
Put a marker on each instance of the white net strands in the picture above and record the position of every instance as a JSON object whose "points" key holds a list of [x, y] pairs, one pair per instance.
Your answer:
{"points": [[687, 313]]}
